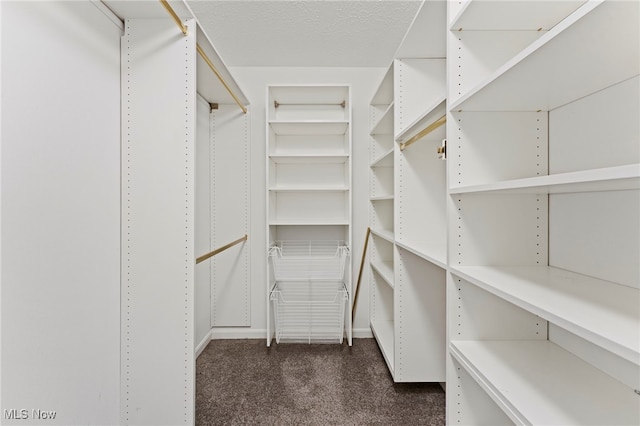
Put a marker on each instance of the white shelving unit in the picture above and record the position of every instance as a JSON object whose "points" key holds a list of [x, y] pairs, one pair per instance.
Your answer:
{"points": [[308, 182], [408, 205], [543, 234]]}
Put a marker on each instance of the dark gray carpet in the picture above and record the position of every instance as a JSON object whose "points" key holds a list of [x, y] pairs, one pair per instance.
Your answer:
{"points": [[244, 382]]}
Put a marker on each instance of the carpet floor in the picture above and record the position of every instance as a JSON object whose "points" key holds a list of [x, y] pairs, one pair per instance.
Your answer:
{"points": [[243, 382]]}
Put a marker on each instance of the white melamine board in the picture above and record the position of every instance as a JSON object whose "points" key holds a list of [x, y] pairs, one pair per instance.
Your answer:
{"points": [[158, 259], [489, 147], [621, 369], [604, 128], [474, 55], [419, 86], [597, 234], [383, 332], [606, 179], [384, 92], [576, 302], [320, 232], [476, 314], [470, 404], [388, 236], [309, 159], [202, 242], [427, 34], [421, 196], [310, 127], [381, 181], [322, 175], [385, 159], [230, 177], [308, 145], [513, 15], [381, 216], [420, 303], [537, 382], [60, 197], [570, 61], [309, 207], [385, 270], [427, 117], [384, 123], [489, 229], [426, 250]]}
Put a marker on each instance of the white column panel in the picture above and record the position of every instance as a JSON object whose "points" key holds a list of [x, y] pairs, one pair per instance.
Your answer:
{"points": [[60, 214], [158, 259], [230, 283]]}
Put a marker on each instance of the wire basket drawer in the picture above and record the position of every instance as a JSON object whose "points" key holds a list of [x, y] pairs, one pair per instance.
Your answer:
{"points": [[309, 260], [309, 311]]}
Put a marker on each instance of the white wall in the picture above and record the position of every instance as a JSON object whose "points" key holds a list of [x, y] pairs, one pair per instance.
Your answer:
{"points": [[254, 80], [60, 221]]}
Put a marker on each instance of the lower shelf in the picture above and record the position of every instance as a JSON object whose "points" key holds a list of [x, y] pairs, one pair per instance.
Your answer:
{"points": [[383, 332], [538, 382]]}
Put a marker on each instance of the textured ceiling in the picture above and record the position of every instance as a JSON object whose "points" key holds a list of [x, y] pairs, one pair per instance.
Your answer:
{"points": [[306, 33]]}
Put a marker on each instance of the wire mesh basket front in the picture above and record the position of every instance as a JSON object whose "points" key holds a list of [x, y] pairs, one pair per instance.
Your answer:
{"points": [[309, 311], [309, 260]]}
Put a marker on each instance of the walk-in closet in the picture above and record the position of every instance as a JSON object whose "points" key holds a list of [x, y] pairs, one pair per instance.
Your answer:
{"points": [[392, 212]]}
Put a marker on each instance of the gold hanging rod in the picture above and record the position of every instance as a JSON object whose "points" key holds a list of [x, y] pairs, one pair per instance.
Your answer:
{"points": [[224, 83], [175, 17], [364, 253], [424, 132], [343, 104], [221, 249], [204, 56]]}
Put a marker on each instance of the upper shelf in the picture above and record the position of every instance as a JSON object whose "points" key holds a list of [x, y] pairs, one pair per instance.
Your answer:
{"points": [[570, 61], [572, 301], [384, 93], [427, 34], [605, 179], [384, 125], [429, 116], [208, 84], [309, 127], [513, 15]]}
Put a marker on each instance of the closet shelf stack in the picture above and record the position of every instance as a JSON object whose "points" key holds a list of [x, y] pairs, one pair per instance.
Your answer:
{"points": [[309, 213]]}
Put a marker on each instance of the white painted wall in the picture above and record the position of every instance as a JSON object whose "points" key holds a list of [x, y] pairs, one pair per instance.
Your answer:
{"points": [[60, 220], [254, 80]]}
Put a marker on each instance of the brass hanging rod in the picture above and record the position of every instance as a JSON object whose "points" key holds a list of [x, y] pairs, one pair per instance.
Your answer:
{"points": [[221, 249], [364, 254], [175, 17], [424, 132], [204, 56], [276, 104]]}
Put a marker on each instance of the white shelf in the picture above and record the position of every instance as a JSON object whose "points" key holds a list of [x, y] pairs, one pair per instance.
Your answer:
{"points": [[434, 253], [384, 125], [308, 189], [385, 160], [513, 15], [309, 158], [309, 127], [383, 332], [605, 179], [384, 94], [385, 270], [382, 198], [303, 222], [537, 382], [426, 36], [605, 313], [385, 235], [430, 115], [565, 64]]}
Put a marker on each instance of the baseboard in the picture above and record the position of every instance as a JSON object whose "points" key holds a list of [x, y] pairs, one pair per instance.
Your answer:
{"points": [[362, 333], [203, 344], [238, 333]]}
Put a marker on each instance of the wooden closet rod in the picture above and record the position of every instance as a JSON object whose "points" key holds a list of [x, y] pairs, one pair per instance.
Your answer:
{"points": [[343, 104], [424, 132], [204, 56], [221, 249]]}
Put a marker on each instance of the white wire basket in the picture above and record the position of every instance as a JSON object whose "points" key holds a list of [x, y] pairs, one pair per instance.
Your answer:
{"points": [[310, 311], [309, 260]]}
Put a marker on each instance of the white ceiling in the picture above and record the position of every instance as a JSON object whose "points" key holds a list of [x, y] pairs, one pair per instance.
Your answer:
{"points": [[305, 33]]}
